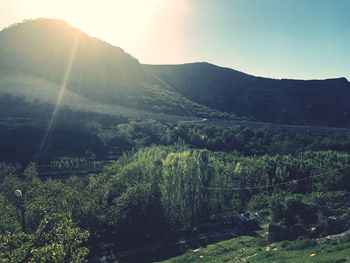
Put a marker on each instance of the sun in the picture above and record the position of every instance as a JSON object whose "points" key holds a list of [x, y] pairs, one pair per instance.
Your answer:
{"points": [[127, 19], [144, 28]]}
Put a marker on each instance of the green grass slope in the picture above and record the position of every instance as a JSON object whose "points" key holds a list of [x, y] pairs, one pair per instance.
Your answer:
{"points": [[255, 249]]}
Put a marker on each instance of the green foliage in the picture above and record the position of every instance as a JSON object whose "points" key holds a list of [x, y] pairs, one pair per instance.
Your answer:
{"points": [[14, 247], [55, 240], [330, 203], [30, 172], [152, 193], [259, 202], [291, 210], [48, 197], [300, 244], [136, 215], [185, 175], [173, 188], [9, 216], [250, 249], [247, 141]]}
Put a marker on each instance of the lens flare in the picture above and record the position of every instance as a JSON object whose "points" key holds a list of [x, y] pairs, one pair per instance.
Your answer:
{"points": [[48, 133]]}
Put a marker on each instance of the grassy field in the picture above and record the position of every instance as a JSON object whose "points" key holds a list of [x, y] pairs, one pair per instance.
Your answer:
{"points": [[256, 249]]}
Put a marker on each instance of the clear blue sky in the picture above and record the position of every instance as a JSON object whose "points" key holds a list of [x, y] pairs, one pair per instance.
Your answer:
{"points": [[277, 38], [274, 38]]}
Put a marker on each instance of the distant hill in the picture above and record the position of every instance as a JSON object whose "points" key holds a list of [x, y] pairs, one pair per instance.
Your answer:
{"points": [[288, 101], [40, 51], [38, 56]]}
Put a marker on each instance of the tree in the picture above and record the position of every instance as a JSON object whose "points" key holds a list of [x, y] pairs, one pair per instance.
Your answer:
{"points": [[31, 173], [136, 214], [292, 210], [9, 216], [185, 174], [56, 240]]}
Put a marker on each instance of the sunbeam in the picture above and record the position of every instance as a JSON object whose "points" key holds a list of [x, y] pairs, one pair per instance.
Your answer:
{"points": [[46, 138]]}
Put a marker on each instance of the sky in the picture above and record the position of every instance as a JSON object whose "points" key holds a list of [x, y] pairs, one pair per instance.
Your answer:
{"points": [[303, 39]]}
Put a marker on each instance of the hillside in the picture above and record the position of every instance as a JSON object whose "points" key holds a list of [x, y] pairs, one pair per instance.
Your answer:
{"points": [[38, 57], [42, 53], [271, 100]]}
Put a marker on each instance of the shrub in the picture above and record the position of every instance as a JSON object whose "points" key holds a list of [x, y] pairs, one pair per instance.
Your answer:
{"points": [[299, 244]]}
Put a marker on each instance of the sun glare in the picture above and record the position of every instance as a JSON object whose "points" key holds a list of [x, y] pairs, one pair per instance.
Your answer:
{"points": [[134, 25], [45, 140], [124, 16]]}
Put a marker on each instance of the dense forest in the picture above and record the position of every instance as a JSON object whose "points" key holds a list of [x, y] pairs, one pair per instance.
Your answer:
{"points": [[171, 178]]}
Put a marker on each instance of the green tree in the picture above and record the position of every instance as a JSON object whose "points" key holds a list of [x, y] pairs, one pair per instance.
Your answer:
{"points": [[185, 175], [8, 216], [56, 240]]}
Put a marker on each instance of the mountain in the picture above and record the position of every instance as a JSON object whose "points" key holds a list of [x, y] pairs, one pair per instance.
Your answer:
{"points": [[263, 99], [39, 57]]}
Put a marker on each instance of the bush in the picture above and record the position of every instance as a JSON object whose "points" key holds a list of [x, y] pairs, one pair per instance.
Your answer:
{"points": [[259, 202], [299, 244], [292, 211]]}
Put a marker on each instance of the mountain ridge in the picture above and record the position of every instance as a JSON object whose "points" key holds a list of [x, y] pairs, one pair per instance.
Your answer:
{"points": [[264, 99], [98, 70], [105, 74], [342, 78]]}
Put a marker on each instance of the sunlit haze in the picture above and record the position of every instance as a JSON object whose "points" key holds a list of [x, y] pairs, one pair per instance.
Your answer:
{"points": [[280, 39]]}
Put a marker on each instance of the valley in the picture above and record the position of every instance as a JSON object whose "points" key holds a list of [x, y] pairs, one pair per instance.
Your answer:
{"points": [[119, 161]]}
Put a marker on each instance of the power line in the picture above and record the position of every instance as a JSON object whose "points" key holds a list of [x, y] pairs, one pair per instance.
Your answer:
{"points": [[265, 186]]}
